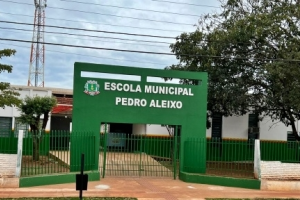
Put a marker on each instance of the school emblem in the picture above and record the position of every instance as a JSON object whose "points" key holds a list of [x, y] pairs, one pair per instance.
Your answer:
{"points": [[91, 88]]}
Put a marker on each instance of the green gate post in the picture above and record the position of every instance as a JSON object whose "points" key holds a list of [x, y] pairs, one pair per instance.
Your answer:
{"points": [[87, 143], [104, 150], [141, 146], [175, 153]]}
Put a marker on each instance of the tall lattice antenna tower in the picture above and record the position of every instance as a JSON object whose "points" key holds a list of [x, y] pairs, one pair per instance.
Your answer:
{"points": [[37, 55]]}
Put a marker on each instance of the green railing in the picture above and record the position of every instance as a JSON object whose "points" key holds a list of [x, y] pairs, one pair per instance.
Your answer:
{"points": [[229, 150], [42, 154], [142, 155], [280, 151], [137, 155], [224, 158], [8, 143], [54, 155], [84, 143]]}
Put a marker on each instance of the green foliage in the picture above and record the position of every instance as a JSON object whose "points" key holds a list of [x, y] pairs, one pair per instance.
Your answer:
{"points": [[251, 51], [8, 97], [32, 108]]}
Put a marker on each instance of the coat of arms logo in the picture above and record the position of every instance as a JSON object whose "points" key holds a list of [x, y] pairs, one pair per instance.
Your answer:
{"points": [[91, 88]]}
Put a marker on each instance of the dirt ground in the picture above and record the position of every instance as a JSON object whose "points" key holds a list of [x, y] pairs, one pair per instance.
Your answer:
{"points": [[45, 165], [231, 169]]}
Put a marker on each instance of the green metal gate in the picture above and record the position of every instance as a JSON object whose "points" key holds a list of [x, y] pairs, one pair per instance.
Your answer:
{"points": [[138, 155]]}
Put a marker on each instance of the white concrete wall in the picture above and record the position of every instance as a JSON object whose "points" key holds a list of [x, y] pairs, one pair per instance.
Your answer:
{"points": [[156, 129], [232, 127], [276, 130], [139, 129], [14, 112], [235, 127]]}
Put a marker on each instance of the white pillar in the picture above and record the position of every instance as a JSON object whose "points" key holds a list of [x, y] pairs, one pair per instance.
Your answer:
{"points": [[19, 153], [257, 159]]}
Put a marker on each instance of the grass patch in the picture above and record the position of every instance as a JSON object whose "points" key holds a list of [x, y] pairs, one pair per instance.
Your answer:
{"points": [[45, 165], [220, 168], [230, 169], [72, 198]]}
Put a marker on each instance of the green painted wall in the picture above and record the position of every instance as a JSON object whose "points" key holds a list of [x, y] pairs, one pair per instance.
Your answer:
{"points": [[223, 181], [9, 145], [280, 151], [229, 150], [44, 145], [190, 112], [56, 179], [86, 143]]}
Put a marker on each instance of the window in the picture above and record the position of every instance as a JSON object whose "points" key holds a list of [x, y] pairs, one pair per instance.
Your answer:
{"points": [[216, 128], [253, 129], [253, 120], [291, 140], [5, 126], [216, 133], [20, 126]]}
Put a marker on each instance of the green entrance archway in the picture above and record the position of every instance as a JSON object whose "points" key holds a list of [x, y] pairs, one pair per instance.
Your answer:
{"points": [[98, 100]]}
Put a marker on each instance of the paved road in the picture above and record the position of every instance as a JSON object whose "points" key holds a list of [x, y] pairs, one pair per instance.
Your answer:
{"points": [[145, 189]]}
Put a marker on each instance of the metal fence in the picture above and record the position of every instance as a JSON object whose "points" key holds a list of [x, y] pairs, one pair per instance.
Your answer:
{"points": [[53, 154], [283, 151], [129, 155], [8, 143], [45, 153], [223, 157], [136, 155]]}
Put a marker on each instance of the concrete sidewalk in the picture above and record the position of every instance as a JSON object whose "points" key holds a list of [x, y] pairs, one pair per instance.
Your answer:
{"points": [[145, 188]]}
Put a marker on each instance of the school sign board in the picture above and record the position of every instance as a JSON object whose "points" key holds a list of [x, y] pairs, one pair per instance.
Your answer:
{"points": [[101, 100]]}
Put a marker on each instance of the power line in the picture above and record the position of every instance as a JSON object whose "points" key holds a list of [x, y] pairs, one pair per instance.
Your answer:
{"points": [[91, 30], [139, 9], [114, 38], [92, 36], [190, 4], [18, 29], [88, 47], [136, 40], [151, 52], [91, 55], [111, 15], [120, 16], [87, 22]]}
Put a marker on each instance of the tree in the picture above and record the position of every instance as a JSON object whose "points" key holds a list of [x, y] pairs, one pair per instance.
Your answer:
{"points": [[251, 51], [8, 97], [32, 108]]}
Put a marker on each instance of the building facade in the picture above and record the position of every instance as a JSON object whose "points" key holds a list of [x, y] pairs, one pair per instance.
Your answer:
{"points": [[236, 127], [60, 117]]}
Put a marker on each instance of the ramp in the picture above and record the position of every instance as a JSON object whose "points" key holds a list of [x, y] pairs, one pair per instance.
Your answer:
{"points": [[124, 164], [8, 165], [132, 165]]}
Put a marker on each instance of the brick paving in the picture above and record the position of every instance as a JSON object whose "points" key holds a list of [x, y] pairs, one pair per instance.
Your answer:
{"points": [[145, 189]]}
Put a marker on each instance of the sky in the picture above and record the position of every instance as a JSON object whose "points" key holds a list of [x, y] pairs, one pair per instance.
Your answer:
{"points": [[165, 19]]}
